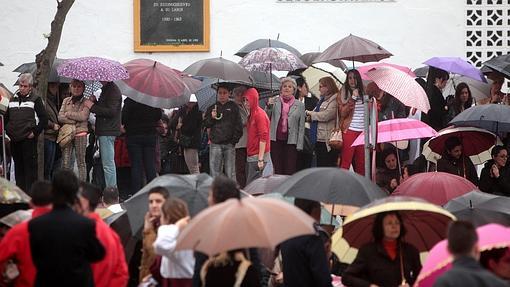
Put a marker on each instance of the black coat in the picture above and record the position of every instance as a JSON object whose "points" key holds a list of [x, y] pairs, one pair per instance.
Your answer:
{"points": [[221, 276], [304, 262], [374, 266], [467, 272], [462, 167], [229, 128], [63, 244], [437, 113], [140, 119], [108, 111], [310, 103], [497, 186], [191, 125]]}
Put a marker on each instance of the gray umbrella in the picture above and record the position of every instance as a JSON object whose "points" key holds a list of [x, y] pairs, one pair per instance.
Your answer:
{"points": [[331, 185], [219, 68], [354, 48], [265, 81], [52, 77], [193, 189], [309, 59], [500, 64], [492, 117], [265, 43], [421, 72]]}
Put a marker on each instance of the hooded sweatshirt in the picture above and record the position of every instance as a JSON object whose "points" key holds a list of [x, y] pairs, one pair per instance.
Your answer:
{"points": [[258, 125]]}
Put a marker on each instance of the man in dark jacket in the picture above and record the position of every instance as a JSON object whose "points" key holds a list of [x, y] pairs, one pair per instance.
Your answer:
{"points": [[25, 119], [466, 271], [51, 131], [225, 129], [107, 127], [304, 258], [64, 243]]}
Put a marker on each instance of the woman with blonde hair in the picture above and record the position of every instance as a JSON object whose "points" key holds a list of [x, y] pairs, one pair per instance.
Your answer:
{"points": [[176, 266], [324, 118], [74, 112], [287, 128]]}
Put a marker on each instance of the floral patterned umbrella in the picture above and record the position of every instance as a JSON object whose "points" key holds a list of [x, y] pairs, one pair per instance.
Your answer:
{"points": [[93, 69], [270, 58]]}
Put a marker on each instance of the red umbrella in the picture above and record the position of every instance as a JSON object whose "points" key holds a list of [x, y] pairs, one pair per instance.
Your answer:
{"points": [[354, 48], [154, 84], [435, 187], [476, 143]]}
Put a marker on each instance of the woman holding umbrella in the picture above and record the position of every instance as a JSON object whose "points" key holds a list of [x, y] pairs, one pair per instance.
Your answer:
{"points": [[495, 176], [455, 162], [388, 261]]}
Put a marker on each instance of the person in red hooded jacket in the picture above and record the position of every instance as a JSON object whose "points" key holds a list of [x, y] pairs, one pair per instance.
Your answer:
{"points": [[112, 270], [16, 245], [258, 145]]}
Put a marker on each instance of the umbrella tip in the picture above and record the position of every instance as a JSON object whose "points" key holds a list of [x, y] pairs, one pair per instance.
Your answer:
{"points": [[221, 53], [278, 37], [154, 66], [470, 204]]}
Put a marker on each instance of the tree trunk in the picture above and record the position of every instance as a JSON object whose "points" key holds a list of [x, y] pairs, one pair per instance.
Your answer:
{"points": [[44, 62]]}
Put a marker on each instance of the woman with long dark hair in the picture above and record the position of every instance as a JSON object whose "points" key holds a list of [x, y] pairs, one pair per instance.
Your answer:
{"points": [[461, 101]]}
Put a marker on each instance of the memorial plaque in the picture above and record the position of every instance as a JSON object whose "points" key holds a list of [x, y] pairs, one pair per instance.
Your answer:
{"points": [[171, 25]]}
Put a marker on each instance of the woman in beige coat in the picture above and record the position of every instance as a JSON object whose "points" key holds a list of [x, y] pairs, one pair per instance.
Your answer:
{"points": [[74, 112], [324, 118]]}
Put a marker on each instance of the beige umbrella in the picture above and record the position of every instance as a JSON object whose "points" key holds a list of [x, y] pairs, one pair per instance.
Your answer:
{"points": [[245, 223], [317, 71]]}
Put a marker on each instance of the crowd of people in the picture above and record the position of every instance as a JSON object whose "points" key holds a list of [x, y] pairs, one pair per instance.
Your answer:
{"points": [[119, 145]]}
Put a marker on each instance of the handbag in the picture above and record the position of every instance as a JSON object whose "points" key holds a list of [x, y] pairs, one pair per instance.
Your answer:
{"points": [[336, 137], [185, 141], [66, 135]]}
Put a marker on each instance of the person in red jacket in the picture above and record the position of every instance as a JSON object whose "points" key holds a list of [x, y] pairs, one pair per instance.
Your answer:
{"points": [[16, 245], [112, 270], [258, 145]]}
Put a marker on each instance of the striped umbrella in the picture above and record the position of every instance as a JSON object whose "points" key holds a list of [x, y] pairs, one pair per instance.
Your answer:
{"points": [[401, 86], [365, 68], [395, 130]]}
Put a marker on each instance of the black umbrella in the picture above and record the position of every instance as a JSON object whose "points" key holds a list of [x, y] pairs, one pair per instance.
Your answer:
{"points": [[52, 77], [481, 208], [192, 188], [331, 185], [265, 43], [421, 72], [309, 58], [221, 69], [500, 64], [1, 64], [267, 84], [492, 117]]}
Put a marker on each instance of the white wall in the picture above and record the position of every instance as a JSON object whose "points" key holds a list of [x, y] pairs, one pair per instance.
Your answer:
{"points": [[413, 30]]}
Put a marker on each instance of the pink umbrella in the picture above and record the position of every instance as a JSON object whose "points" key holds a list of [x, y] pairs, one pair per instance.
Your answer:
{"points": [[401, 86], [363, 69], [93, 69], [398, 130], [155, 84], [439, 260], [435, 187]]}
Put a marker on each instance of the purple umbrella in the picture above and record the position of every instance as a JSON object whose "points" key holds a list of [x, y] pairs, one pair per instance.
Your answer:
{"points": [[456, 65], [93, 69]]}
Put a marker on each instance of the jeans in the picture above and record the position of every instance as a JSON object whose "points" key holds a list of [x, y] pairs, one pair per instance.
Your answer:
{"points": [[107, 152], [222, 156], [50, 150], [142, 154]]}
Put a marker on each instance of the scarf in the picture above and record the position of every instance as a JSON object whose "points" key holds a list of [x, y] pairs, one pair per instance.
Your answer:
{"points": [[282, 129], [315, 124]]}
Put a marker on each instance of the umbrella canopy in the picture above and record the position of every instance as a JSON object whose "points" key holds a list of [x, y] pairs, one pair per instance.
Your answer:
{"points": [[492, 117], [16, 217], [445, 186], [11, 193], [271, 59], [249, 222], [479, 90], [320, 70], [354, 48], [421, 71], [93, 69], [481, 208], [219, 68], [426, 223], [154, 84], [31, 68], [266, 83], [4, 92], [456, 65], [439, 260], [265, 43], [365, 68], [331, 185], [309, 59], [193, 189], [120, 223], [264, 185], [398, 130], [401, 86], [500, 64], [476, 143]]}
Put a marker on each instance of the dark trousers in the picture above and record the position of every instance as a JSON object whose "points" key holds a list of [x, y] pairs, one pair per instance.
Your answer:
{"points": [[325, 158], [24, 154], [50, 149], [284, 157], [142, 154], [241, 167]]}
